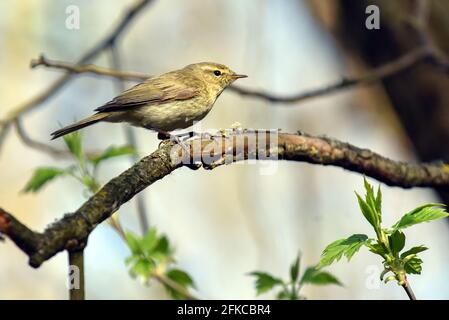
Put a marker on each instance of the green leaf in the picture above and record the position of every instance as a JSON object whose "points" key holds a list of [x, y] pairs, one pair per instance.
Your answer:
{"points": [[379, 201], [112, 152], [149, 241], [313, 275], [368, 212], [347, 247], [132, 260], [413, 266], [265, 282], [133, 242], [143, 269], [294, 269], [73, 142], [397, 241], [182, 279], [369, 196], [376, 248], [163, 246], [42, 176], [414, 250], [425, 213], [371, 205]]}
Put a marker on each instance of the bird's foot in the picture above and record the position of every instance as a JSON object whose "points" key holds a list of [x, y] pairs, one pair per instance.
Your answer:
{"points": [[211, 136], [162, 135], [178, 138]]}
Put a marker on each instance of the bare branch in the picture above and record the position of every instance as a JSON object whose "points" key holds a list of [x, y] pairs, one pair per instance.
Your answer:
{"points": [[389, 69], [71, 232], [88, 68], [437, 57]]}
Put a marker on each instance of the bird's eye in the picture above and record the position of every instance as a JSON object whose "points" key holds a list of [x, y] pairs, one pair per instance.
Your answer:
{"points": [[217, 73]]}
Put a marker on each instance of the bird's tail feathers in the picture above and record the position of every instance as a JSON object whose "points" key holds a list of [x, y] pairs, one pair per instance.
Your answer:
{"points": [[80, 124]]}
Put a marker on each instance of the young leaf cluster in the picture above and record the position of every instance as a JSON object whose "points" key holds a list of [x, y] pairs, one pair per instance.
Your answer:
{"points": [[389, 243], [152, 257], [290, 289]]}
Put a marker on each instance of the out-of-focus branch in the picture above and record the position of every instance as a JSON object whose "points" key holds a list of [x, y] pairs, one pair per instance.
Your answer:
{"points": [[438, 57], [43, 147], [389, 69], [104, 43], [72, 231], [132, 141]]}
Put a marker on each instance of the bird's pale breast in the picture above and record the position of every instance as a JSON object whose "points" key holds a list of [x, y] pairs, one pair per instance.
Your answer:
{"points": [[171, 115]]}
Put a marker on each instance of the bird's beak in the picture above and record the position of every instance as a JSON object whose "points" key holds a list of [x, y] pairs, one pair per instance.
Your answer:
{"points": [[239, 76]]}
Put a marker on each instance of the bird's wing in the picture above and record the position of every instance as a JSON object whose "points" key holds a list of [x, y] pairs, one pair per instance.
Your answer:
{"points": [[153, 91]]}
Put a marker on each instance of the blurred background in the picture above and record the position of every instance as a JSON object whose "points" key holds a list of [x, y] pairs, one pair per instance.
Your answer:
{"points": [[232, 220]]}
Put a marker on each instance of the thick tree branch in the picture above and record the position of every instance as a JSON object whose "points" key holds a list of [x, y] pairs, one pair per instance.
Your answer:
{"points": [[71, 231]]}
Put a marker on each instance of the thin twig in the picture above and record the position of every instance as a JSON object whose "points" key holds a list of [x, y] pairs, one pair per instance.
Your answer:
{"points": [[46, 148], [40, 146], [88, 68], [437, 57], [387, 70]]}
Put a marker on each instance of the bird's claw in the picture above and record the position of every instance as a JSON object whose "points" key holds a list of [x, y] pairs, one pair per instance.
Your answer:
{"points": [[178, 138]]}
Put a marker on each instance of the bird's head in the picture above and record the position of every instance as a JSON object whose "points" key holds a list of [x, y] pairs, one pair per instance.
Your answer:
{"points": [[214, 74]]}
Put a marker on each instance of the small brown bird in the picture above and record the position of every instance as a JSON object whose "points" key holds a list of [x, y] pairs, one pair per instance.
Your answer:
{"points": [[174, 100]]}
